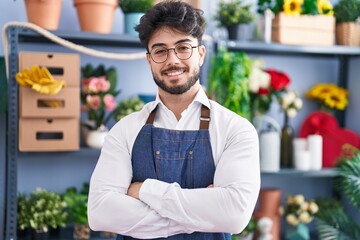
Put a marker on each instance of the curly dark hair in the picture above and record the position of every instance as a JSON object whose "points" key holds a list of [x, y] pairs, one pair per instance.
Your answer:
{"points": [[175, 14]]}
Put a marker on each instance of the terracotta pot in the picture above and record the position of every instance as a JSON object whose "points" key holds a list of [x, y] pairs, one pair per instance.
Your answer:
{"points": [[268, 206], [96, 15], [44, 13]]}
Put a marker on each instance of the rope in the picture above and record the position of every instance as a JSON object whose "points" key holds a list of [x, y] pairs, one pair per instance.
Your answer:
{"points": [[67, 44], [64, 43]]}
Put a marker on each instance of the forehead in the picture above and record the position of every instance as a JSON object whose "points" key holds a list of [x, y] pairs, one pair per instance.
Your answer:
{"points": [[168, 37]]}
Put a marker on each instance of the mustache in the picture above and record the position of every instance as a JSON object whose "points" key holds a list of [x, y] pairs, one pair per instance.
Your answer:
{"points": [[173, 68]]}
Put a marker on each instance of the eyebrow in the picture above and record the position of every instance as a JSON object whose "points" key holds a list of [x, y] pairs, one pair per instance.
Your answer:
{"points": [[177, 42]]}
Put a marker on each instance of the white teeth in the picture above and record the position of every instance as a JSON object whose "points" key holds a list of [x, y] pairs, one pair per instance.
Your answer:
{"points": [[174, 73]]}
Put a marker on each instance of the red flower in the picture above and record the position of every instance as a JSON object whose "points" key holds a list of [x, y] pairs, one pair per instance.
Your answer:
{"points": [[263, 91], [279, 80]]}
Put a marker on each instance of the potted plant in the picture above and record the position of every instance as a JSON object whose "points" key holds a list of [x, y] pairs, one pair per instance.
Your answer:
{"points": [[347, 13], [133, 10], [76, 202], [332, 221], [248, 232], [98, 100], [128, 106], [96, 15], [45, 14], [229, 81], [236, 17], [40, 211]]}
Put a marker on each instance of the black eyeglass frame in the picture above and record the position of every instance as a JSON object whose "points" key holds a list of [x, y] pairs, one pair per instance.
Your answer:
{"points": [[176, 54]]}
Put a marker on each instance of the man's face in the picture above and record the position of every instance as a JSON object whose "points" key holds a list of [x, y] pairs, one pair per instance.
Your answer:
{"points": [[175, 76]]}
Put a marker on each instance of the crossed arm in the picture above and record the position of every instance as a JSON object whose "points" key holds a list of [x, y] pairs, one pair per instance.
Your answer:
{"points": [[155, 209]]}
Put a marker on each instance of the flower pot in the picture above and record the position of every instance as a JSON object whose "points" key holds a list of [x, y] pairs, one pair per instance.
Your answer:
{"points": [[96, 15], [39, 234], [241, 32], [131, 20], [298, 232], [348, 34], [96, 138], [44, 13]]}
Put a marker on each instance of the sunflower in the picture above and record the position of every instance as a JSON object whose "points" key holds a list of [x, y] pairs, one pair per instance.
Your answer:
{"points": [[292, 7], [325, 7], [336, 100], [329, 95]]}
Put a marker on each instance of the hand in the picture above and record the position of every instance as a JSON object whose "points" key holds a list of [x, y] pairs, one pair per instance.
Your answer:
{"points": [[210, 186], [134, 189]]}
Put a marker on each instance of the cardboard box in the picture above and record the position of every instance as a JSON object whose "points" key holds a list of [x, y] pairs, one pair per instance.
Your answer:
{"points": [[64, 104], [62, 66], [49, 134], [194, 3], [304, 29]]}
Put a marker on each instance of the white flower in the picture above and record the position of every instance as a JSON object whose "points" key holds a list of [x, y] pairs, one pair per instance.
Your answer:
{"points": [[291, 112], [299, 199], [287, 99], [305, 217], [258, 78], [298, 103], [292, 220], [313, 207]]}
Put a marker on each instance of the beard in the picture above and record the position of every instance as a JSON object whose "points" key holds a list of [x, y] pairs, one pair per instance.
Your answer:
{"points": [[177, 90]]}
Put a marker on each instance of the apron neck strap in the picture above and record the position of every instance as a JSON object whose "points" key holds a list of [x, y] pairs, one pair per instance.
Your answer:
{"points": [[204, 117]]}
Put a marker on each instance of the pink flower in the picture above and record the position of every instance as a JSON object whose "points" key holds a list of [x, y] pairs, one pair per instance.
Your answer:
{"points": [[96, 84], [109, 102], [93, 101]]}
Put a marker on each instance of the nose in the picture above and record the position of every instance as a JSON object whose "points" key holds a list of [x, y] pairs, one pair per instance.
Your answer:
{"points": [[172, 56]]}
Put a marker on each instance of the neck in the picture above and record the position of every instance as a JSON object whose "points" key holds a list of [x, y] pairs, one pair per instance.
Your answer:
{"points": [[178, 103]]}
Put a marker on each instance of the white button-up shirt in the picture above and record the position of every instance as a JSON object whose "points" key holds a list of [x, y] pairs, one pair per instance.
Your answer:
{"points": [[165, 209]]}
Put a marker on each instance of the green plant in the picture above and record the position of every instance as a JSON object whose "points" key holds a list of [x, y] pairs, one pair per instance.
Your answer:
{"points": [[41, 210], [98, 93], [76, 202], [138, 6], [333, 222], [228, 81], [128, 106], [347, 11], [233, 13]]}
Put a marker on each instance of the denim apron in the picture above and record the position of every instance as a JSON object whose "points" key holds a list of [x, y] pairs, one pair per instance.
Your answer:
{"points": [[171, 156]]}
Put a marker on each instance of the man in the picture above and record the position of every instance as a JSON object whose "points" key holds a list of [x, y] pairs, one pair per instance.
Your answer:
{"points": [[183, 167]]}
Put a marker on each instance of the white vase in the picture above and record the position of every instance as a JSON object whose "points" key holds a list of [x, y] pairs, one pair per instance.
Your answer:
{"points": [[96, 138]]}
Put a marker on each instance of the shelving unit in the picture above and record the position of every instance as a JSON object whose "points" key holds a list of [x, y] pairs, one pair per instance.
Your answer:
{"points": [[342, 53], [17, 35]]}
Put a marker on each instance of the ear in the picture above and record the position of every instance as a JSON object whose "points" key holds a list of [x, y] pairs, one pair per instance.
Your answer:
{"points": [[202, 53], [148, 58]]}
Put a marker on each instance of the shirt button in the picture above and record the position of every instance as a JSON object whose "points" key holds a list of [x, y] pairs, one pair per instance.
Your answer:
{"points": [[157, 152]]}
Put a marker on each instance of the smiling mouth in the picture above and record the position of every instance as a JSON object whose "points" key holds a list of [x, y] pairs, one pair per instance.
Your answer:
{"points": [[173, 72]]}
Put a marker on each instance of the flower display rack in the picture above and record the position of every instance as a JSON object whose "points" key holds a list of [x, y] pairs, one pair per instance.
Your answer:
{"points": [[17, 36]]}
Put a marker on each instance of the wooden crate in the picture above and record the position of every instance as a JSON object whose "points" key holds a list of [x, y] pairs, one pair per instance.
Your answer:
{"points": [[318, 30]]}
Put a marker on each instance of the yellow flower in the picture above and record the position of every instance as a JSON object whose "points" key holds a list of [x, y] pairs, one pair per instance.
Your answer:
{"points": [[325, 7], [292, 220], [299, 199], [329, 95], [292, 7]]}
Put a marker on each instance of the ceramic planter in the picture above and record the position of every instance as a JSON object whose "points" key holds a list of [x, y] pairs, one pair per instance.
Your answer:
{"points": [[96, 15], [348, 34], [44, 13]]}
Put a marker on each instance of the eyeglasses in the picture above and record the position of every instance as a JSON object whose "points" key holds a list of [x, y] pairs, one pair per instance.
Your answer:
{"points": [[183, 51]]}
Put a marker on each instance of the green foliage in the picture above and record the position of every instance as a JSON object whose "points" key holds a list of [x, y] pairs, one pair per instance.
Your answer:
{"points": [[76, 202], [347, 10], [128, 106], [135, 6], [309, 7], [275, 6], [332, 222], [41, 210], [233, 13], [349, 179], [228, 81]]}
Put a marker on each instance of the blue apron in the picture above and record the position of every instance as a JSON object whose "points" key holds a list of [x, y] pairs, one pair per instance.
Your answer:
{"points": [[171, 156]]}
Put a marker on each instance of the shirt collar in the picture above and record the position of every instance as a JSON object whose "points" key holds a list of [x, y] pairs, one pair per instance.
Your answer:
{"points": [[200, 97]]}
